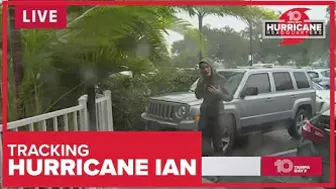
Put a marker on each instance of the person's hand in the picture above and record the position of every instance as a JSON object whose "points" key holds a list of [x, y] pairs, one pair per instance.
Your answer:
{"points": [[214, 90]]}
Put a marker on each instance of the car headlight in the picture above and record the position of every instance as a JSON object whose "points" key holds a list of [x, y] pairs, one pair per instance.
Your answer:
{"points": [[181, 111]]}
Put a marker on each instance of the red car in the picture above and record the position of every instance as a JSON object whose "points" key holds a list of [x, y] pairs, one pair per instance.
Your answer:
{"points": [[316, 142]]}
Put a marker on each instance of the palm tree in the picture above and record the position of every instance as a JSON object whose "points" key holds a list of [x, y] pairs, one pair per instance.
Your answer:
{"points": [[132, 38], [16, 54], [245, 13], [135, 43], [61, 65]]}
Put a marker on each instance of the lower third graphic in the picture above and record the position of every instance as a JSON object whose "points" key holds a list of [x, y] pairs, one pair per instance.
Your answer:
{"points": [[291, 166]]}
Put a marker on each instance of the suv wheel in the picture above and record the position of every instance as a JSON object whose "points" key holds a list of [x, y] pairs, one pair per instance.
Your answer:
{"points": [[228, 137], [227, 141], [295, 129]]}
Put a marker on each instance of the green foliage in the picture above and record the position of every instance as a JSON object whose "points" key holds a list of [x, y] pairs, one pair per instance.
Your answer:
{"points": [[232, 48], [130, 95], [102, 40], [241, 12], [58, 64], [221, 44]]}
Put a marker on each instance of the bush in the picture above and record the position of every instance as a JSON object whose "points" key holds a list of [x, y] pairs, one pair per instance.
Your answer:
{"points": [[130, 94]]}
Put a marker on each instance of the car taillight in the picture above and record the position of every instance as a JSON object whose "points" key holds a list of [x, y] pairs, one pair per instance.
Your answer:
{"points": [[312, 133], [307, 127]]}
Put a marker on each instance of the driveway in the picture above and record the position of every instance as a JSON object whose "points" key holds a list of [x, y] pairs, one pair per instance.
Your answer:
{"points": [[268, 143], [276, 142], [265, 144]]}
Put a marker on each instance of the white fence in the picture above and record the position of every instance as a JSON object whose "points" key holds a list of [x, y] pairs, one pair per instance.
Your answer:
{"points": [[104, 112], [69, 119]]}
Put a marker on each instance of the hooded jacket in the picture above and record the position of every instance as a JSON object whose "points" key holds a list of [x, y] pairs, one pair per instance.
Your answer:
{"points": [[212, 103]]}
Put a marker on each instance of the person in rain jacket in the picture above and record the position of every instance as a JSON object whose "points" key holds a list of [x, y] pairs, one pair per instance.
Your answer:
{"points": [[211, 88]]}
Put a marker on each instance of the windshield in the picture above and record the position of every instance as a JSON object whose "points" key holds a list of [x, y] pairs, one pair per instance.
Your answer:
{"points": [[318, 86], [233, 81], [325, 73], [193, 86]]}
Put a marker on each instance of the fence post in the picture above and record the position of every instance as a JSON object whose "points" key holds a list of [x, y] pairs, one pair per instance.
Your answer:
{"points": [[84, 113], [107, 93]]}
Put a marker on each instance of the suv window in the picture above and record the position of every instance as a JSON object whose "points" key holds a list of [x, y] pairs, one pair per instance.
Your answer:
{"points": [[261, 81], [301, 80], [283, 81], [313, 75], [193, 86], [325, 74], [233, 80]]}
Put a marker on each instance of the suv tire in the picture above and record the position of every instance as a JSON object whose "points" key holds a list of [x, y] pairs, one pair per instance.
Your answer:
{"points": [[301, 116], [230, 134]]}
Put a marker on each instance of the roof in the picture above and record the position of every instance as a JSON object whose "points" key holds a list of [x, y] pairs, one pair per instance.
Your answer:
{"points": [[232, 70], [261, 69], [320, 69]]}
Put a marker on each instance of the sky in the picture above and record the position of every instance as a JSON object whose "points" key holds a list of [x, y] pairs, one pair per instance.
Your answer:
{"points": [[315, 13]]}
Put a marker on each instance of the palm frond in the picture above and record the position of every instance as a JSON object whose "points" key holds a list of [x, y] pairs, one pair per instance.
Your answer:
{"points": [[247, 13]]}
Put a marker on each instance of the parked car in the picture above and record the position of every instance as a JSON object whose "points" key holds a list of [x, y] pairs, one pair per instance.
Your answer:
{"points": [[325, 83], [319, 75], [318, 86], [322, 97], [263, 100], [316, 142]]}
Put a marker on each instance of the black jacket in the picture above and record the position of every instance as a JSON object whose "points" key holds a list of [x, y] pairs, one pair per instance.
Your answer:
{"points": [[212, 104]]}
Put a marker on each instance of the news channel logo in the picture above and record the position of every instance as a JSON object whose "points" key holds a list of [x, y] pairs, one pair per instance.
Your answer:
{"points": [[287, 166], [284, 165], [294, 24]]}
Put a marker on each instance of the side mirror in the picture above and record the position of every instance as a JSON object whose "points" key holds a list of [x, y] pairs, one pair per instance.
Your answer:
{"points": [[249, 91]]}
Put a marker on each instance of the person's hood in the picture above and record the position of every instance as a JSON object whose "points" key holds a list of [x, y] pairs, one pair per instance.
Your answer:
{"points": [[210, 63]]}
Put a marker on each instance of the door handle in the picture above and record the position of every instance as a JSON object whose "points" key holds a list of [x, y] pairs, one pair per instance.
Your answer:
{"points": [[293, 96], [269, 99]]}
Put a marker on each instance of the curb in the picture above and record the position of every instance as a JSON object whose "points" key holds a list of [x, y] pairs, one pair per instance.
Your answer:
{"points": [[284, 153], [204, 180]]}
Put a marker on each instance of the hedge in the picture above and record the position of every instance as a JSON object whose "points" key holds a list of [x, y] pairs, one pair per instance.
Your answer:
{"points": [[130, 94]]}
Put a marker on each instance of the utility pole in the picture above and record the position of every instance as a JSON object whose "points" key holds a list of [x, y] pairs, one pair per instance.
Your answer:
{"points": [[250, 33]]}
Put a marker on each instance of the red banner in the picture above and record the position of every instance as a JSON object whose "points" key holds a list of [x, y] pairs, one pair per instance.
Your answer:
{"points": [[40, 17], [91, 159]]}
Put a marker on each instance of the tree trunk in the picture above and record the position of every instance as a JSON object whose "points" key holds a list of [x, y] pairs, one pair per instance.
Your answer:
{"points": [[16, 48], [200, 28], [91, 92], [305, 58], [250, 40]]}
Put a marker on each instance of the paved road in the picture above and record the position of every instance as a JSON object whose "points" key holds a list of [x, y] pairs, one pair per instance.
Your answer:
{"points": [[265, 144], [258, 145], [268, 143]]}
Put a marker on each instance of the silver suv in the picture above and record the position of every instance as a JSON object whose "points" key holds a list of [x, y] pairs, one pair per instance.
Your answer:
{"points": [[263, 100]]}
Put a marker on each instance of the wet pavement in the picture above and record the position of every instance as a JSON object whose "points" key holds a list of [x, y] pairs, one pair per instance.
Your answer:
{"points": [[258, 145], [266, 144]]}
